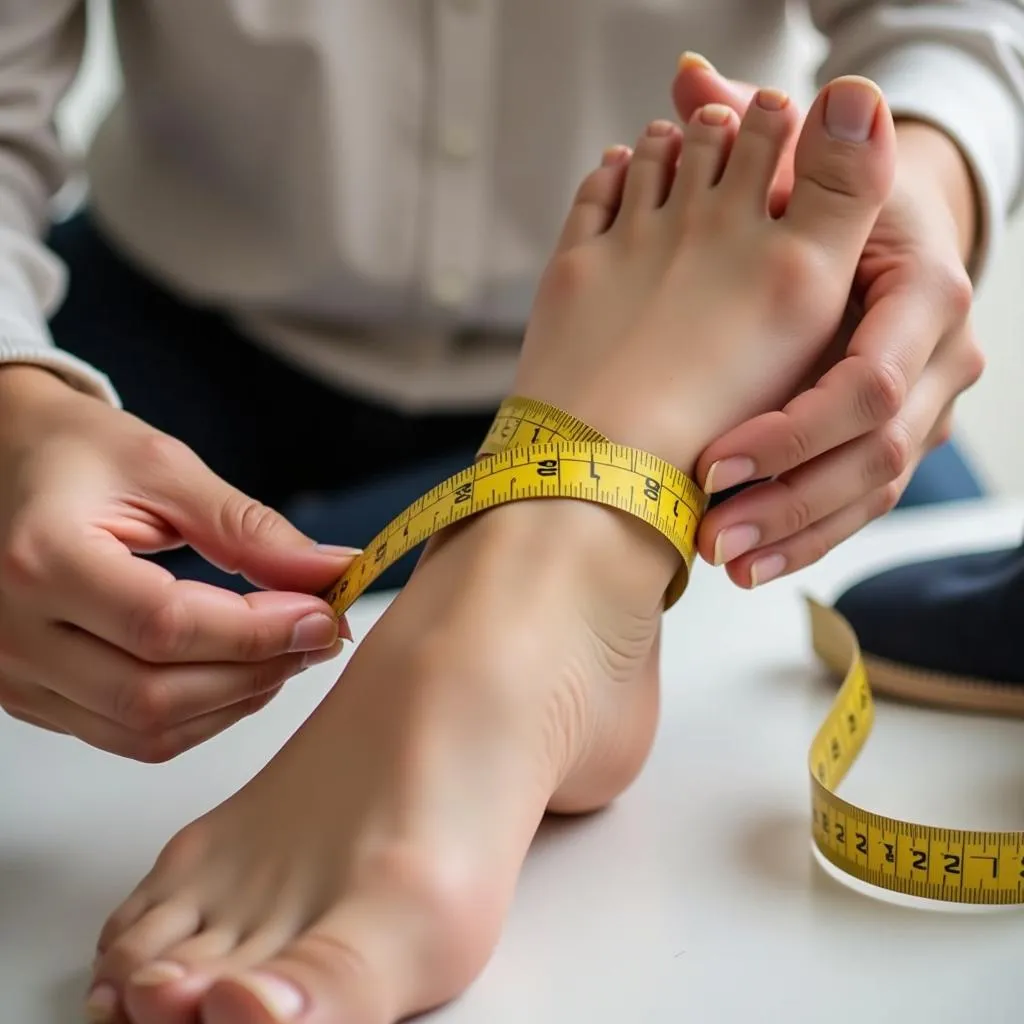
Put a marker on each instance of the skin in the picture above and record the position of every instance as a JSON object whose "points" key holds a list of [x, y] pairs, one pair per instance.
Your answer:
{"points": [[364, 874], [103, 645], [843, 451]]}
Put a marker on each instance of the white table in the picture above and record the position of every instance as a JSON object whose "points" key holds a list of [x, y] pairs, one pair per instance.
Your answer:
{"points": [[695, 899]]}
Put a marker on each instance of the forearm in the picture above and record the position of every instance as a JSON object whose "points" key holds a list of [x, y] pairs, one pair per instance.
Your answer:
{"points": [[40, 50]]}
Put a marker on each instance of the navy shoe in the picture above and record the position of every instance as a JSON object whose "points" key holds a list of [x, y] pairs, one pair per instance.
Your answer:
{"points": [[947, 632]]}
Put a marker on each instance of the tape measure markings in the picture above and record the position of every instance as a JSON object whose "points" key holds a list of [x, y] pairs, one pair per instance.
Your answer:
{"points": [[632, 481], [949, 865], [569, 459]]}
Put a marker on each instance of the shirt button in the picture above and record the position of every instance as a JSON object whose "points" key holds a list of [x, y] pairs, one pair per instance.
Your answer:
{"points": [[457, 143], [451, 288]]}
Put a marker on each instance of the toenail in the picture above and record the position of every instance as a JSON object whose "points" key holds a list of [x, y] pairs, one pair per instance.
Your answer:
{"points": [[766, 569], [695, 61], [771, 99], [715, 113], [660, 128], [163, 972], [283, 1000], [734, 541], [313, 633], [851, 105], [726, 473], [101, 1005], [614, 155]]}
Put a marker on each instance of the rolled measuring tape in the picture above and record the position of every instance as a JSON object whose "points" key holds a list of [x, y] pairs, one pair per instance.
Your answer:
{"points": [[534, 450]]}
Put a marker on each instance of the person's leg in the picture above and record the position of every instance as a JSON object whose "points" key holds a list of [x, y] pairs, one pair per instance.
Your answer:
{"points": [[517, 671]]}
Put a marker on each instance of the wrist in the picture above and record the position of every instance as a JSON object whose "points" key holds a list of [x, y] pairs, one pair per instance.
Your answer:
{"points": [[928, 157]]}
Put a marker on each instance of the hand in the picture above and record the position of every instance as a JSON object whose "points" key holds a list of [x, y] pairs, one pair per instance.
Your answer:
{"points": [[108, 647], [842, 452]]}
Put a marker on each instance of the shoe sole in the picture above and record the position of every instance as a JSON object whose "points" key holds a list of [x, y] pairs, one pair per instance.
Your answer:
{"points": [[936, 689]]}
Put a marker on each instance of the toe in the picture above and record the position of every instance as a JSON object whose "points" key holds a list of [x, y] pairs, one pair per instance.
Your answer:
{"points": [[754, 161], [597, 199], [317, 980], [845, 161], [141, 943], [709, 137], [650, 171], [697, 84], [168, 990]]}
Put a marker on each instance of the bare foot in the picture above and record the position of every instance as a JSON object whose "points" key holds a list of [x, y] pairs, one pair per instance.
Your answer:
{"points": [[364, 875]]}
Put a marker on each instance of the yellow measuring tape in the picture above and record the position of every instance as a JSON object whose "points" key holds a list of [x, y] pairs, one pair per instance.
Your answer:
{"points": [[536, 451]]}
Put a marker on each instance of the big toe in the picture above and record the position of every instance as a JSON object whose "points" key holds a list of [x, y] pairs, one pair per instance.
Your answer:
{"points": [[844, 165]]}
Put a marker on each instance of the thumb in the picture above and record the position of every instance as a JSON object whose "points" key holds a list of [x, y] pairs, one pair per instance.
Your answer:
{"points": [[240, 534]]}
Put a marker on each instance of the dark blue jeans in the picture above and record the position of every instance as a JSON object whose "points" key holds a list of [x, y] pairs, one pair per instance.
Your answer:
{"points": [[338, 466]]}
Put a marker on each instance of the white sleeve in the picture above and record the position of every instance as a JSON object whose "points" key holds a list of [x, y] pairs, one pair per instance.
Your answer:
{"points": [[957, 64], [41, 44]]}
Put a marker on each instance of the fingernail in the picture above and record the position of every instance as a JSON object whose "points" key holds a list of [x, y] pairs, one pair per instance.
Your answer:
{"points": [[319, 657], [715, 114], [283, 1001], [160, 973], [612, 155], [658, 129], [336, 551], [734, 541], [694, 60], [101, 1005], [726, 473], [850, 108], [344, 629], [771, 99], [313, 633], [764, 570]]}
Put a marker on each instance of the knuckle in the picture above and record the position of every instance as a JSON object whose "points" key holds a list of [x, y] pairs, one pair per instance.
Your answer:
{"points": [[880, 394], [161, 632], [796, 448], [954, 283], [26, 559], [144, 705], [896, 448], [974, 363], [887, 499], [158, 749], [840, 172], [254, 520], [162, 454], [797, 515]]}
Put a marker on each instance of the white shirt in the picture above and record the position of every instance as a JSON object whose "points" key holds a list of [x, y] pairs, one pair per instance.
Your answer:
{"points": [[371, 188]]}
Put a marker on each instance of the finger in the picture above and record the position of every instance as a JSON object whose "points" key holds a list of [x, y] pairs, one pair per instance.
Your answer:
{"points": [[147, 697], [756, 522], [151, 748], [136, 605], [812, 544], [12, 711], [236, 532], [886, 355]]}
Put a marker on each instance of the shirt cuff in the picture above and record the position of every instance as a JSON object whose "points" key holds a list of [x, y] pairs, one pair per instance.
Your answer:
{"points": [[26, 285], [967, 100]]}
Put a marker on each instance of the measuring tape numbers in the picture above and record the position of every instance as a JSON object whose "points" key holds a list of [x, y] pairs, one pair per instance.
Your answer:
{"points": [[951, 865], [533, 450]]}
